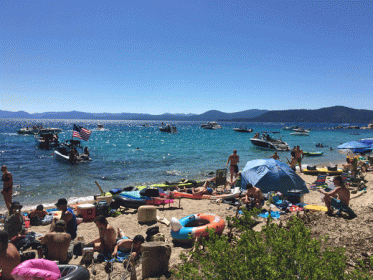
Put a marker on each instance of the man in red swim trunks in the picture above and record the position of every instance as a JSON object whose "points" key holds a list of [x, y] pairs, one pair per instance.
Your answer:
{"points": [[234, 159]]}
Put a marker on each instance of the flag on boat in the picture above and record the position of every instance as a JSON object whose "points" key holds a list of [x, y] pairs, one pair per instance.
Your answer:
{"points": [[81, 132]]}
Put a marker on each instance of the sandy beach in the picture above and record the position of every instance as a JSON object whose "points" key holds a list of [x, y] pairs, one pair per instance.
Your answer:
{"points": [[339, 229]]}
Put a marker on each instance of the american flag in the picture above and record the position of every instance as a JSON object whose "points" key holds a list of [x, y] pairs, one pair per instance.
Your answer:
{"points": [[81, 132]]}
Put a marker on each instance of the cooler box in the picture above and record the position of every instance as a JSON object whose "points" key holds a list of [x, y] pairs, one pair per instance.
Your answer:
{"points": [[87, 212], [295, 196]]}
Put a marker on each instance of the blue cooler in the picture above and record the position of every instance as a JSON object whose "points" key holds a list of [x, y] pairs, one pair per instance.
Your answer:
{"points": [[295, 196]]}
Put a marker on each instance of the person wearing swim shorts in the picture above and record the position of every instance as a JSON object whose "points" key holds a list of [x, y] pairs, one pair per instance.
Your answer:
{"points": [[234, 159], [340, 192], [7, 190], [299, 156]]}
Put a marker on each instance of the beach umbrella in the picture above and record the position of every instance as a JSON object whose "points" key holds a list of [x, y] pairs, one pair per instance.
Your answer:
{"points": [[272, 175], [351, 148]]}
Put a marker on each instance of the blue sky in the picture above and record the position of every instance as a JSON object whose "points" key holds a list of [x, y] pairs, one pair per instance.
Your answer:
{"points": [[185, 56]]}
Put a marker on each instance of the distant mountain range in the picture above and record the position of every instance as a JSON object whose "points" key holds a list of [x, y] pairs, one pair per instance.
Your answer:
{"points": [[336, 114], [212, 115]]}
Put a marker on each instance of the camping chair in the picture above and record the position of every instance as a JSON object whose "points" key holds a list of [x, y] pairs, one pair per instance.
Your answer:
{"points": [[221, 177], [320, 182]]}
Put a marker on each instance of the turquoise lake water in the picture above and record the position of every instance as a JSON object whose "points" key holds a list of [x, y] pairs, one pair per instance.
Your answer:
{"points": [[191, 153]]}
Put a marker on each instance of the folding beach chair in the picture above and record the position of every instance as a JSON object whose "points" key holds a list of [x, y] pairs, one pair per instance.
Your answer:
{"points": [[221, 177], [319, 183]]}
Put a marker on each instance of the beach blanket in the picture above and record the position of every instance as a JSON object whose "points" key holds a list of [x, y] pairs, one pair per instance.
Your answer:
{"points": [[274, 214]]}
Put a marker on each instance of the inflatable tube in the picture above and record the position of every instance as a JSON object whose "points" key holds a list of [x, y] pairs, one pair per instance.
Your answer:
{"points": [[73, 272], [37, 268], [322, 171], [236, 192], [180, 231]]}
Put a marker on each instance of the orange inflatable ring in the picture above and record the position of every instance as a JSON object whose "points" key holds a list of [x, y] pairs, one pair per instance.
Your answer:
{"points": [[181, 231]]}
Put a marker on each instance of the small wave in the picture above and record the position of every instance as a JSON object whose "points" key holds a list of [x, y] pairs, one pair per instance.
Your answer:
{"points": [[174, 173]]}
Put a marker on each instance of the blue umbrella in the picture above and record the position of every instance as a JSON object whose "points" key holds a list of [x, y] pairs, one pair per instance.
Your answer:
{"points": [[353, 147], [272, 175]]}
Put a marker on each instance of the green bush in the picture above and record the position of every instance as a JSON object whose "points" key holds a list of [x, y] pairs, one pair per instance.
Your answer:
{"points": [[276, 252]]}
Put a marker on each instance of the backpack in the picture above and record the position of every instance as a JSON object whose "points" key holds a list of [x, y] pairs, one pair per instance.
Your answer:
{"points": [[103, 208]]}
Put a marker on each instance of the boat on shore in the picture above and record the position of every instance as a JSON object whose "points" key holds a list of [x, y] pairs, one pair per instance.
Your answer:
{"points": [[211, 125], [242, 129], [265, 141], [47, 139], [168, 128], [71, 151]]}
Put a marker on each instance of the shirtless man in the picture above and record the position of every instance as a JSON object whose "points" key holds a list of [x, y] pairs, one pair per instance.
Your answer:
{"points": [[37, 215], [275, 156], [299, 156], [234, 159], [57, 244], [293, 161], [107, 239], [125, 244], [341, 191], [254, 197], [9, 256]]}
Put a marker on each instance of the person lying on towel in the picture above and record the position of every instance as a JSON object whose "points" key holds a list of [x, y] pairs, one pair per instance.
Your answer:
{"points": [[339, 198], [200, 190], [253, 198]]}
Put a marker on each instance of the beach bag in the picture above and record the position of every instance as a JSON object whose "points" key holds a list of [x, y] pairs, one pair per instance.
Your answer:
{"points": [[150, 192], [311, 167], [151, 232], [103, 208]]}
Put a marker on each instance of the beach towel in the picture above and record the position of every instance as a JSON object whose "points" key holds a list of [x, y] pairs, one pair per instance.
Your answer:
{"points": [[295, 208], [315, 208], [274, 214]]}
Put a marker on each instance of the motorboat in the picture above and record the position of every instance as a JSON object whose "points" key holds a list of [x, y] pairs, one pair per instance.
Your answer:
{"points": [[265, 141], [46, 139], [301, 129], [299, 133], [168, 128], [290, 127], [35, 130], [145, 125], [71, 151], [211, 125], [242, 129], [100, 127]]}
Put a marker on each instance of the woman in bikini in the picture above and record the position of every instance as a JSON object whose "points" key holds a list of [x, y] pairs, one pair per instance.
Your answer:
{"points": [[7, 191]]}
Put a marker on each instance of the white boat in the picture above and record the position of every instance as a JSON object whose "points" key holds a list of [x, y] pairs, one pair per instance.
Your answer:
{"points": [[64, 152], [265, 141], [242, 129], [100, 127], [290, 127], [301, 129], [168, 128], [35, 130], [211, 125], [299, 133]]}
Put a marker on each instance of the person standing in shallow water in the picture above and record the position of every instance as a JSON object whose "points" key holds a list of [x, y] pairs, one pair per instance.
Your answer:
{"points": [[7, 190], [234, 159]]}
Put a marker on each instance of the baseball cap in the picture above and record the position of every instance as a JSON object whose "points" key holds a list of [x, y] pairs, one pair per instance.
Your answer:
{"points": [[61, 201], [16, 204]]}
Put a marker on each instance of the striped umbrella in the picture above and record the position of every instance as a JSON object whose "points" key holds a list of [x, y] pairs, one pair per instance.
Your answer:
{"points": [[272, 175]]}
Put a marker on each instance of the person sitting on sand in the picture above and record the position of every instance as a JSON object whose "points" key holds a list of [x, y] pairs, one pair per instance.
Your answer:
{"points": [[341, 192], [14, 224], [200, 190], [126, 245], [253, 198], [37, 215], [106, 242], [57, 244], [68, 216], [9, 256]]}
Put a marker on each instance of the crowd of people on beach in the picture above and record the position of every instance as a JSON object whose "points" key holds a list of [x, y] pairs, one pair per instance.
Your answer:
{"points": [[58, 244]]}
